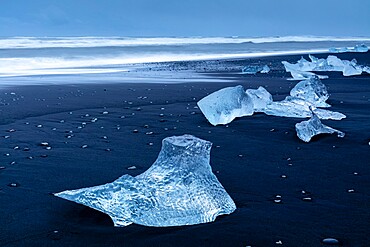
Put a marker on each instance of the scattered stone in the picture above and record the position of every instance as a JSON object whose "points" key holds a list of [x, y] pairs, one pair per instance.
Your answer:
{"points": [[330, 241]]}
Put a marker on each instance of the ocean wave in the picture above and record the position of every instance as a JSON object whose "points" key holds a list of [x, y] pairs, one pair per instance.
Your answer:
{"points": [[87, 42], [29, 66]]}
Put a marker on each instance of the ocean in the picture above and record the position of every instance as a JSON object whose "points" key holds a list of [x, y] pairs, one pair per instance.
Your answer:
{"points": [[40, 60]]}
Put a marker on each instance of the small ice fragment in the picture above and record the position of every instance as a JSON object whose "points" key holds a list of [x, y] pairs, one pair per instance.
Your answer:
{"points": [[224, 105], [357, 48], [178, 189], [254, 69], [251, 69], [308, 129], [265, 69]]}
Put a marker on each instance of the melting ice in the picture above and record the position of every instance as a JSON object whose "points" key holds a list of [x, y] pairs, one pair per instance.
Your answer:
{"points": [[178, 189]]}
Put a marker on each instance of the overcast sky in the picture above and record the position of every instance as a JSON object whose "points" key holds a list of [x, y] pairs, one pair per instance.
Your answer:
{"points": [[184, 17]]}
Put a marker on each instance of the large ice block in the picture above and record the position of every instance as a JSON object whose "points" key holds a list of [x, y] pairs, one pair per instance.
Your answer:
{"points": [[260, 98], [224, 105], [311, 90], [178, 189], [312, 127]]}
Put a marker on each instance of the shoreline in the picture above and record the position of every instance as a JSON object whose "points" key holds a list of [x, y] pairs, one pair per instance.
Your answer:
{"points": [[249, 156]]}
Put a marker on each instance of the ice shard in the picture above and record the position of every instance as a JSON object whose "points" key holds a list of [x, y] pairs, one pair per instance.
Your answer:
{"points": [[224, 105], [254, 69], [303, 75], [299, 108], [178, 189], [312, 127], [311, 90], [265, 69], [260, 98]]}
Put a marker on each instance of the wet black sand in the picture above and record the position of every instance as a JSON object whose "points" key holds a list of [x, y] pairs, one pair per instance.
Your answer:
{"points": [[249, 157]]}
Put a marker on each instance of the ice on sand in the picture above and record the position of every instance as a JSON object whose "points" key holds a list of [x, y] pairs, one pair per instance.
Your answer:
{"points": [[332, 63], [260, 98], [254, 69], [224, 105], [312, 127], [178, 189]]}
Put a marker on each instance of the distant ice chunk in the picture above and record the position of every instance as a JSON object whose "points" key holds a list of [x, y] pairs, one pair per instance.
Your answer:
{"points": [[303, 68], [312, 127], [357, 48], [224, 105], [265, 69], [260, 98], [178, 189], [254, 69], [311, 90]]}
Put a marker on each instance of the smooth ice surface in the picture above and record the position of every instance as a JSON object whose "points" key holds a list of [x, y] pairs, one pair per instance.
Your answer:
{"points": [[254, 69], [178, 189], [260, 98], [312, 127], [311, 90], [332, 63], [357, 48], [224, 105]]}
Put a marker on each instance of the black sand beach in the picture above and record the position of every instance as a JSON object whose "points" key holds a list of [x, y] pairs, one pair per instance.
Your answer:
{"points": [[249, 157]]}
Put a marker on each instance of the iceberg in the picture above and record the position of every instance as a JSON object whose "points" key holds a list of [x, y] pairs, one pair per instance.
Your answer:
{"points": [[312, 127], [178, 189], [260, 98], [254, 69], [224, 105], [311, 90], [357, 48]]}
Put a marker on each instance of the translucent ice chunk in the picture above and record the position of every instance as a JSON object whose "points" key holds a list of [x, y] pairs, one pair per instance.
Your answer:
{"points": [[303, 68], [254, 69], [302, 75], [178, 189], [260, 98], [311, 90], [265, 69], [224, 105], [308, 129], [299, 108]]}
